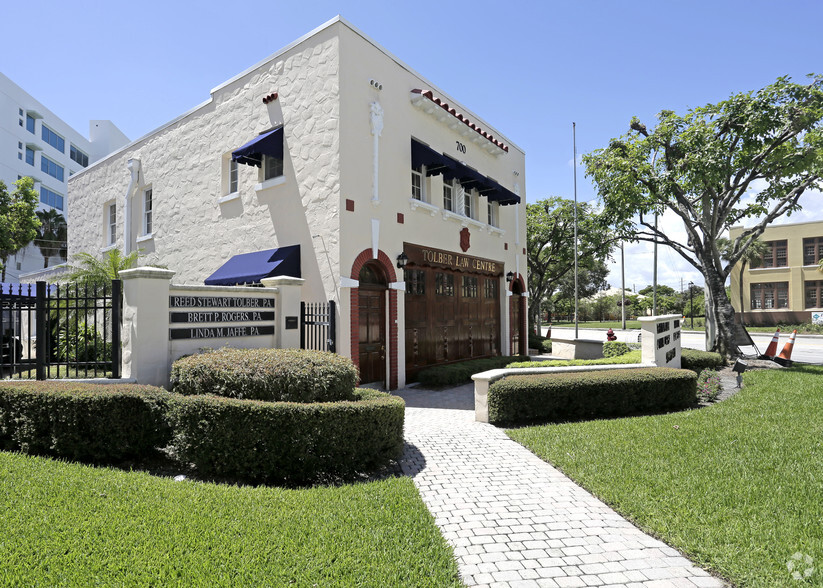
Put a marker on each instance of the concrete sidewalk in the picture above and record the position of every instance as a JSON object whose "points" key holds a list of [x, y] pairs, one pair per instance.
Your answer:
{"points": [[512, 519]]}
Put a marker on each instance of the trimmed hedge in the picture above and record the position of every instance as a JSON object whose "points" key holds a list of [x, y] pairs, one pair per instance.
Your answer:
{"points": [[633, 356], [697, 361], [516, 400], [82, 421], [459, 373], [288, 375], [289, 442], [615, 348], [541, 343]]}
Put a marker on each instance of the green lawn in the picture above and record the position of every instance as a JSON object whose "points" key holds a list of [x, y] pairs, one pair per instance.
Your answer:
{"points": [[806, 328], [65, 524], [737, 487]]}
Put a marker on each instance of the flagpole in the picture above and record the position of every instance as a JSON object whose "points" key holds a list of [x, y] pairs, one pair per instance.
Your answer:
{"points": [[574, 163]]}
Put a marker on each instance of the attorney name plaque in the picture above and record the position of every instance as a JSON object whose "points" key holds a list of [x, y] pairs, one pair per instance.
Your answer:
{"points": [[208, 310]]}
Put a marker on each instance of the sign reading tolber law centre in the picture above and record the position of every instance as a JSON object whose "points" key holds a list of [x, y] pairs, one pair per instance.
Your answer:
{"points": [[438, 258], [207, 310]]}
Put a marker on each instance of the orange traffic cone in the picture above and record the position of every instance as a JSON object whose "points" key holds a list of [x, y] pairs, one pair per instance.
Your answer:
{"points": [[771, 350], [785, 357]]}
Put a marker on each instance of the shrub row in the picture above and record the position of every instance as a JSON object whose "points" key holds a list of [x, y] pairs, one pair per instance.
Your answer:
{"points": [[86, 422], [287, 442], [288, 375], [516, 400], [246, 440], [615, 348], [459, 373], [629, 357], [697, 361]]}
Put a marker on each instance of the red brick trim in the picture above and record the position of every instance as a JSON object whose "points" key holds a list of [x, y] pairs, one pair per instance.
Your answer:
{"points": [[385, 262], [524, 334], [349, 205]]}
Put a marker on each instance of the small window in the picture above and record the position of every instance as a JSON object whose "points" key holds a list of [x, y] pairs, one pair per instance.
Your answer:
{"points": [[53, 139], [52, 168], [775, 255], [415, 282], [494, 209], [29, 155], [272, 167], [469, 287], [111, 232], [233, 176], [490, 288], [443, 284], [78, 156], [417, 184], [468, 204], [147, 211], [812, 250], [30, 123], [814, 294], [50, 198], [770, 295], [448, 196]]}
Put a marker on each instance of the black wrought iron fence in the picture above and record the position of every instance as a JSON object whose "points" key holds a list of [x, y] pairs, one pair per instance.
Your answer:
{"points": [[317, 326], [60, 331]]}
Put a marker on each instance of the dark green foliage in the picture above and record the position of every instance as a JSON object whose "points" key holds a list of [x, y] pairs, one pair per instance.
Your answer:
{"points": [[541, 343], [589, 395], [697, 361], [289, 442], [82, 421], [459, 373], [615, 348], [289, 375]]}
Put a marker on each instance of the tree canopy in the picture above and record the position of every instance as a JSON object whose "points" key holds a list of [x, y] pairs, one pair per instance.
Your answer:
{"points": [[704, 167], [18, 221], [550, 244], [52, 235]]}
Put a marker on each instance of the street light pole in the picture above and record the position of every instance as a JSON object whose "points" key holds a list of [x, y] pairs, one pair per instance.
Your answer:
{"points": [[691, 302]]}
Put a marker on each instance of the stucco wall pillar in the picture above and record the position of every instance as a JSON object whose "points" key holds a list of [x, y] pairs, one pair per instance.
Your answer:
{"points": [[289, 296], [145, 334]]}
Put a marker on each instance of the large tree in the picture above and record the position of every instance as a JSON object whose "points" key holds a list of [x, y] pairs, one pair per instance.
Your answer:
{"points": [[18, 221], [52, 235], [704, 167], [550, 245]]}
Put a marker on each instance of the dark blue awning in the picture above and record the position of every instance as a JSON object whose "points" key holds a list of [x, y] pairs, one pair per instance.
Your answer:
{"points": [[250, 268], [451, 169], [268, 143]]}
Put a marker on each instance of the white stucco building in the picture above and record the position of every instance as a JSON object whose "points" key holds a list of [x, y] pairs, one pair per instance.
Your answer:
{"points": [[35, 142], [361, 161]]}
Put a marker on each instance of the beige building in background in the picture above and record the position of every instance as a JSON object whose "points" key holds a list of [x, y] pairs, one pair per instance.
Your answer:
{"points": [[342, 158], [787, 286]]}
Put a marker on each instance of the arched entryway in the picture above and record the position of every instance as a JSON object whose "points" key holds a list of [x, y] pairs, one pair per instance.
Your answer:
{"points": [[517, 316], [372, 324]]}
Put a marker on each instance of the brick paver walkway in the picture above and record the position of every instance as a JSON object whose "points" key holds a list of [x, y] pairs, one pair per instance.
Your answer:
{"points": [[514, 520]]}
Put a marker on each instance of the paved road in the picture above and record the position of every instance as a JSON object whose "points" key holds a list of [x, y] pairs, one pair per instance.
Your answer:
{"points": [[808, 349]]}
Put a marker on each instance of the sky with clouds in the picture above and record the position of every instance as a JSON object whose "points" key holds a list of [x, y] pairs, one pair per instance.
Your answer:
{"points": [[528, 67]]}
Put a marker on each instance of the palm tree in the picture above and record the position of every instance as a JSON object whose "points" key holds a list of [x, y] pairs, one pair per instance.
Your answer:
{"points": [[752, 257], [52, 235], [94, 272]]}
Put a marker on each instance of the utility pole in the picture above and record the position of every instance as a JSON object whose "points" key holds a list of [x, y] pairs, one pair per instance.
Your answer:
{"points": [[574, 161], [622, 286]]}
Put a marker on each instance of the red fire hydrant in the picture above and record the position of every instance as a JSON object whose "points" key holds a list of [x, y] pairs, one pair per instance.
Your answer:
{"points": [[610, 336]]}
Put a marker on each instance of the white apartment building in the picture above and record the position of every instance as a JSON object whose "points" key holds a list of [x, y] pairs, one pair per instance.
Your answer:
{"points": [[35, 142], [334, 162]]}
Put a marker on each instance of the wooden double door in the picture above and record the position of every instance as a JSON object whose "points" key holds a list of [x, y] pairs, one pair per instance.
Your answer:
{"points": [[372, 325], [450, 316]]}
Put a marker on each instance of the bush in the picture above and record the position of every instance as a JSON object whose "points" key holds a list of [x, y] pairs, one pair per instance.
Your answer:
{"points": [[541, 343], [615, 348], [459, 373], [81, 421], [284, 441], [588, 395], [289, 375], [708, 386], [628, 357], [697, 361]]}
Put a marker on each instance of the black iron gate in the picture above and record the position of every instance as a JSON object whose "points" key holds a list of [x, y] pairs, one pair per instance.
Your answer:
{"points": [[60, 331], [317, 326]]}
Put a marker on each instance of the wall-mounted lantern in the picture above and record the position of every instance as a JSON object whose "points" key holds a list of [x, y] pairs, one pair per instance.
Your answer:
{"points": [[509, 277], [402, 260]]}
